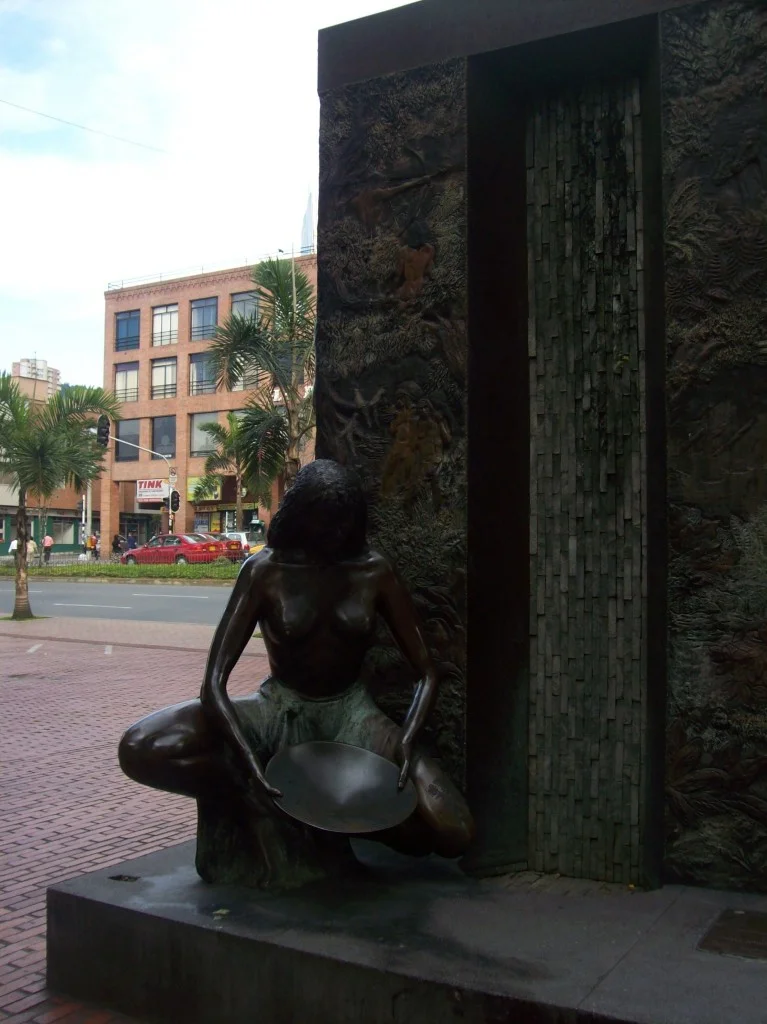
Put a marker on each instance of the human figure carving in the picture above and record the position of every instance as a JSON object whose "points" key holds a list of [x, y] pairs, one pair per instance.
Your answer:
{"points": [[315, 590]]}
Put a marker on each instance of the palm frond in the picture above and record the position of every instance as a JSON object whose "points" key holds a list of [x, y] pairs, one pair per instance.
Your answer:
{"points": [[206, 488]]}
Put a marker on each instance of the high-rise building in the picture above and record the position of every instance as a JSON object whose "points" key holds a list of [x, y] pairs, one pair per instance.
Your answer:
{"points": [[155, 359], [28, 371]]}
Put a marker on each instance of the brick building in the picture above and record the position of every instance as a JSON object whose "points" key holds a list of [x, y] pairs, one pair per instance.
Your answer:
{"points": [[156, 338]]}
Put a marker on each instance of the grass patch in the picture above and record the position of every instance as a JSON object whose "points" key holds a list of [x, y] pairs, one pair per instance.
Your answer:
{"points": [[107, 570]]}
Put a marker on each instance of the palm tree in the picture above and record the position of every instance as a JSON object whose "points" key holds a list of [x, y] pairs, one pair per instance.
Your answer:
{"points": [[272, 353], [44, 447], [230, 458]]}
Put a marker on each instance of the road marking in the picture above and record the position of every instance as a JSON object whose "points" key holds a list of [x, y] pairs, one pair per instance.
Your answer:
{"points": [[35, 647], [108, 649], [176, 597], [71, 604]]}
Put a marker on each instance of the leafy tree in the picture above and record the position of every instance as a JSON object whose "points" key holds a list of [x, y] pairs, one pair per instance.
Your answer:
{"points": [[44, 447], [272, 354], [230, 458]]}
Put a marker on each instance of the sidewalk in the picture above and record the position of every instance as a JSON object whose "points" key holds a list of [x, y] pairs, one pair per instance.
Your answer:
{"points": [[69, 689], [181, 636]]}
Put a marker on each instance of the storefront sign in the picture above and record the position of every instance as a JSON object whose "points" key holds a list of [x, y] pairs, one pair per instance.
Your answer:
{"points": [[151, 490], [214, 494]]}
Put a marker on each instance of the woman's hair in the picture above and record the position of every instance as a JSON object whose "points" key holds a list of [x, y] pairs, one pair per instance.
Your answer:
{"points": [[324, 514]]}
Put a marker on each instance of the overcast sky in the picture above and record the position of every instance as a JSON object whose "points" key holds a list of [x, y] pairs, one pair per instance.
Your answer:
{"points": [[225, 88]]}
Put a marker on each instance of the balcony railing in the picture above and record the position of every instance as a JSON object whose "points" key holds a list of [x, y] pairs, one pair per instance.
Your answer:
{"points": [[200, 331], [163, 391], [126, 394], [165, 337], [206, 386], [124, 344]]}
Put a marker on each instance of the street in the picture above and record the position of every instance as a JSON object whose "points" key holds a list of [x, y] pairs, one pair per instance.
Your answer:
{"points": [[131, 600]]}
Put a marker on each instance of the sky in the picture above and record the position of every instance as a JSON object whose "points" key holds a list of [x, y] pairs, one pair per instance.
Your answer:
{"points": [[221, 95]]}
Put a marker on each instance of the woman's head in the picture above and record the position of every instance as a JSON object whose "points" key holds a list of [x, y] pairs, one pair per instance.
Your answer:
{"points": [[324, 514]]}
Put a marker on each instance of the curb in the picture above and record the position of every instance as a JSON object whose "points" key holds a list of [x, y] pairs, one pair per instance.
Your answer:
{"points": [[174, 582]]}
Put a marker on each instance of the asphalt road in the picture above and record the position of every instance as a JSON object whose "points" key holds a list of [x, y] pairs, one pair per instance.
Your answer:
{"points": [[134, 601]]}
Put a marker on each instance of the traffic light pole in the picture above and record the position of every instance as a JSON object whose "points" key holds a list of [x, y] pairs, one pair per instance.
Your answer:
{"points": [[159, 455]]}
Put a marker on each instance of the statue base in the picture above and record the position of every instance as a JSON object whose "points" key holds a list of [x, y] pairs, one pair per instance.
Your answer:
{"points": [[411, 942], [271, 852]]}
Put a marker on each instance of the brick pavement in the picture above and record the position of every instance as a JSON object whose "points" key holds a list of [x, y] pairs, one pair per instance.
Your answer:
{"points": [[65, 807]]}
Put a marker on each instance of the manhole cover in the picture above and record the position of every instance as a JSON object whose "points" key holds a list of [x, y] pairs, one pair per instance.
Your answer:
{"points": [[737, 933]]}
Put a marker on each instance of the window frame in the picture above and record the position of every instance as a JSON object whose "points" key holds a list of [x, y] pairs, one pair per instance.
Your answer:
{"points": [[132, 454], [167, 389], [165, 336], [129, 342], [240, 297], [156, 446], [201, 453], [206, 385], [205, 331], [126, 394]]}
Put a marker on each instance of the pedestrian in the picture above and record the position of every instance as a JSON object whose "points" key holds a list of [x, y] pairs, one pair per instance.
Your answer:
{"points": [[47, 547], [131, 542], [116, 545], [97, 547], [13, 549], [31, 548], [90, 545]]}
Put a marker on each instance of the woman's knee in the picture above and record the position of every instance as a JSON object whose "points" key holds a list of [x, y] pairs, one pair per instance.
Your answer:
{"points": [[168, 734]]}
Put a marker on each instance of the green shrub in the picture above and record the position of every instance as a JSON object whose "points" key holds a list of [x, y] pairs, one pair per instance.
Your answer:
{"points": [[101, 570]]}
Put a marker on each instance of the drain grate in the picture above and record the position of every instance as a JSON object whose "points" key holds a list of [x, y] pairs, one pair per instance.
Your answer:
{"points": [[737, 933]]}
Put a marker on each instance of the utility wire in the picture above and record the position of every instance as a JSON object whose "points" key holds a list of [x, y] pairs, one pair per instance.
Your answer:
{"points": [[83, 127]]}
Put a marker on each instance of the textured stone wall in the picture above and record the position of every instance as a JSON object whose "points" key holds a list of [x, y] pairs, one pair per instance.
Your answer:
{"points": [[587, 465], [714, 71], [391, 351]]}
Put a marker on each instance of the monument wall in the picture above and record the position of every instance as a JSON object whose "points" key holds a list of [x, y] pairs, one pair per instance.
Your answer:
{"points": [[640, 253], [714, 68], [391, 352]]}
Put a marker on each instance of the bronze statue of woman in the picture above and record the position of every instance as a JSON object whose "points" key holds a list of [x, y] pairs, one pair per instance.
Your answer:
{"points": [[315, 591]]}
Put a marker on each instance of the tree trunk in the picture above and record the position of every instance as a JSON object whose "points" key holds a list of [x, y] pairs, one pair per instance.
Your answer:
{"points": [[238, 499], [21, 608], [292, 456], [42, 519]]}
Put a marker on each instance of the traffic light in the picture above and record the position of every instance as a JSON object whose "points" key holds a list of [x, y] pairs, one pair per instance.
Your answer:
{"points": [[102, 431], [174, 501]]}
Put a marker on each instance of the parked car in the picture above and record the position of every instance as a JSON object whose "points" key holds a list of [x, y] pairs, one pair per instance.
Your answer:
{"points": [[249, 540], [179, 548], [233, 548]]}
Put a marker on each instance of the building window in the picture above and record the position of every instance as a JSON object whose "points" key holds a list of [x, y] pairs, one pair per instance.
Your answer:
{"points": [[165, 324], [164, 435], [204, 317], [200, 441], [164, 378], [201, 379], [245, 304], [202, 522], [126, 430], [126, 382], [127, 330]]}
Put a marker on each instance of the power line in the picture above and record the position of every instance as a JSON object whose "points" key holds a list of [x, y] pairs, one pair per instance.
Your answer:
{"points": [[83, 127]]}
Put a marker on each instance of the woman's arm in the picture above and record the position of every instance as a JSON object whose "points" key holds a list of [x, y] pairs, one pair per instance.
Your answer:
{"points": [[238, 623], [396, 606]]}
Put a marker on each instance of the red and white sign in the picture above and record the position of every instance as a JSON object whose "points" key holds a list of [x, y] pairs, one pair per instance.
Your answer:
{"points": [[151, 490]]}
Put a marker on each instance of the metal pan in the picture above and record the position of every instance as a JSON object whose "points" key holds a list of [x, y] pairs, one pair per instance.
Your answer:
{"points": [[340, 788]]}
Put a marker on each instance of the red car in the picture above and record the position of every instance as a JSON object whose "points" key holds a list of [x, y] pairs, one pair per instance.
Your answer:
{"points": [[167, 548]]}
